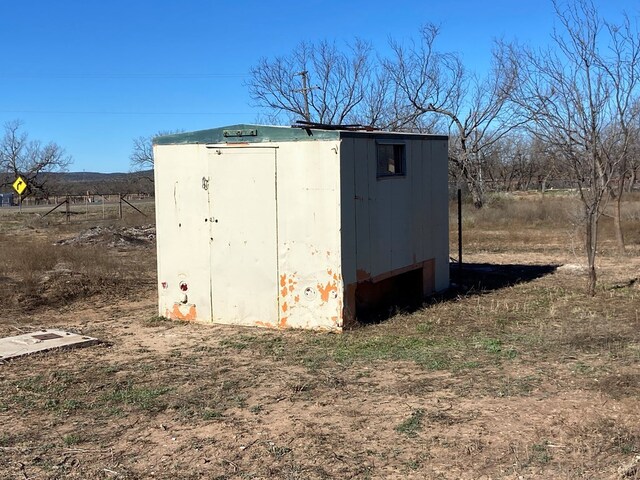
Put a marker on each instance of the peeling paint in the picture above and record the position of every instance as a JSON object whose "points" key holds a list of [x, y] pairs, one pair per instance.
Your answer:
{"points": [[325, 290], [287, 284], [264, 324], [182, 312], [323, 304]]}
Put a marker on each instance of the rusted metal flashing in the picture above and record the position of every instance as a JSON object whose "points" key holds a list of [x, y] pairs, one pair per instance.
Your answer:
{"points": [[364, 276], [369, 293]]}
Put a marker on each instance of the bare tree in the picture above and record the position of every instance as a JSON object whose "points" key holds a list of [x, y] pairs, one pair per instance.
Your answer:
{"points": [[141, 157], [29, 159], [510, 163], [477, 109], [622, 67], [579, 104], [321, 83], [633, 167]]}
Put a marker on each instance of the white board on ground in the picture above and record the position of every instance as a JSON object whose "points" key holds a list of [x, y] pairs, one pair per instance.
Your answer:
{"points": [[40, 341]]}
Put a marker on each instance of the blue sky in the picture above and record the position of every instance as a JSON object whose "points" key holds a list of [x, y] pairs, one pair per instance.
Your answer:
{"points": [[92, 75]]}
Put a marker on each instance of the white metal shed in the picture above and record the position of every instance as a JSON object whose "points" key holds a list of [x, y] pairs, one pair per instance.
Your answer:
{"points": [[297, 227]]}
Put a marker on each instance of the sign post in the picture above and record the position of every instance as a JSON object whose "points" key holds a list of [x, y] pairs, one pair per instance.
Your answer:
{"points": [[20, 186]]}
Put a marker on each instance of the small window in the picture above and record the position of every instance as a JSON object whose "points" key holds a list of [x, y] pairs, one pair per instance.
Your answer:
{"points": [[391, 160]]}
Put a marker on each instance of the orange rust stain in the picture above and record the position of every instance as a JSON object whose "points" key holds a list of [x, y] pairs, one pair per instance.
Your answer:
{"points": [[334, 320], [283, 322], [362, 275], [296, 298], [285, 307], [264, 324], [336, 276], [287, 284], [325, 290], [177, 314]]}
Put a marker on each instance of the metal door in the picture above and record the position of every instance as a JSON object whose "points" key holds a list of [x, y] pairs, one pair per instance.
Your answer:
{"points": [[242, 206]]}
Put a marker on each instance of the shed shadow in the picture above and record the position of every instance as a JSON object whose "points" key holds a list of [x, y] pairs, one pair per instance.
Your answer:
{"points": [[466, 279], [478, 278]]}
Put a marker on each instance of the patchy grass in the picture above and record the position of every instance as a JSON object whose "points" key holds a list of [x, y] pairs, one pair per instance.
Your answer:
{"points": [[412, 425], [127, 395]]}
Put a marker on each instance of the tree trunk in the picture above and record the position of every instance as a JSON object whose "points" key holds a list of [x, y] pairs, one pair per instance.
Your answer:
{"points": [[478, 197], [632, 179], [617, 223], [477, 193], [591, 242]]}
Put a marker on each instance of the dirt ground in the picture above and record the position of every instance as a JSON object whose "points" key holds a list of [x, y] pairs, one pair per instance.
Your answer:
{"points": [[515, 374]]}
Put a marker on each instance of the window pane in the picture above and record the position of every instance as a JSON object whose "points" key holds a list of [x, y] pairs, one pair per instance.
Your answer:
{"points": [[390, 160]]}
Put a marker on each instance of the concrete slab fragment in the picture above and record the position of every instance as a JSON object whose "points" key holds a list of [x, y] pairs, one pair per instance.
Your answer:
{"points": [[40, 341]]}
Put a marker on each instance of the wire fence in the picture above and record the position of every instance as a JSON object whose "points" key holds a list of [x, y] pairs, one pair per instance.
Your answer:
{"points": [[90, 206]]}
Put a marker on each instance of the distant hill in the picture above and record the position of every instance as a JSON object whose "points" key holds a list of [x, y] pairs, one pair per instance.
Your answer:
{"points": [[74, 177], [79, 183]]}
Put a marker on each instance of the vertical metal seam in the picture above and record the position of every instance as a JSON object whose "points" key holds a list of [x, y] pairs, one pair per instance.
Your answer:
{"points": [[275, 170], [210, 236], [345, 301], [355, 200]]}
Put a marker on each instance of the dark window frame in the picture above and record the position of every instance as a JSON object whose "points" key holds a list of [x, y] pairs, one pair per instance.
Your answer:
{"points": [[395, 165]]}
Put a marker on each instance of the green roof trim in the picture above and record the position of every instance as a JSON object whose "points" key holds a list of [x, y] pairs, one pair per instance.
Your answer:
{"points": [[246, 133], [243, 133]]}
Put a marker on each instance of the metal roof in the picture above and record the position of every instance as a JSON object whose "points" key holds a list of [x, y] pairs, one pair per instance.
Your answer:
{"points": [[247, 133]]}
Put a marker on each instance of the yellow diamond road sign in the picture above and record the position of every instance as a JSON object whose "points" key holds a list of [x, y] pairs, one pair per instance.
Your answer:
{"points": [[19, 185]]}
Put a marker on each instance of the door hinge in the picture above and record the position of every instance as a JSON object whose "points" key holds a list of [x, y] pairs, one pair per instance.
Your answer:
{"points": [[205, 183]]}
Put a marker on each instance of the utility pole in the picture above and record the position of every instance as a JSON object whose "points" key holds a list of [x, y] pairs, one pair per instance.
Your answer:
{"points": [[305, 92]]}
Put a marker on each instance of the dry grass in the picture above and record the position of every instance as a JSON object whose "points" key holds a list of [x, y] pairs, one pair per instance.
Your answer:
{"points": [[517, 373], [36, 272]]}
